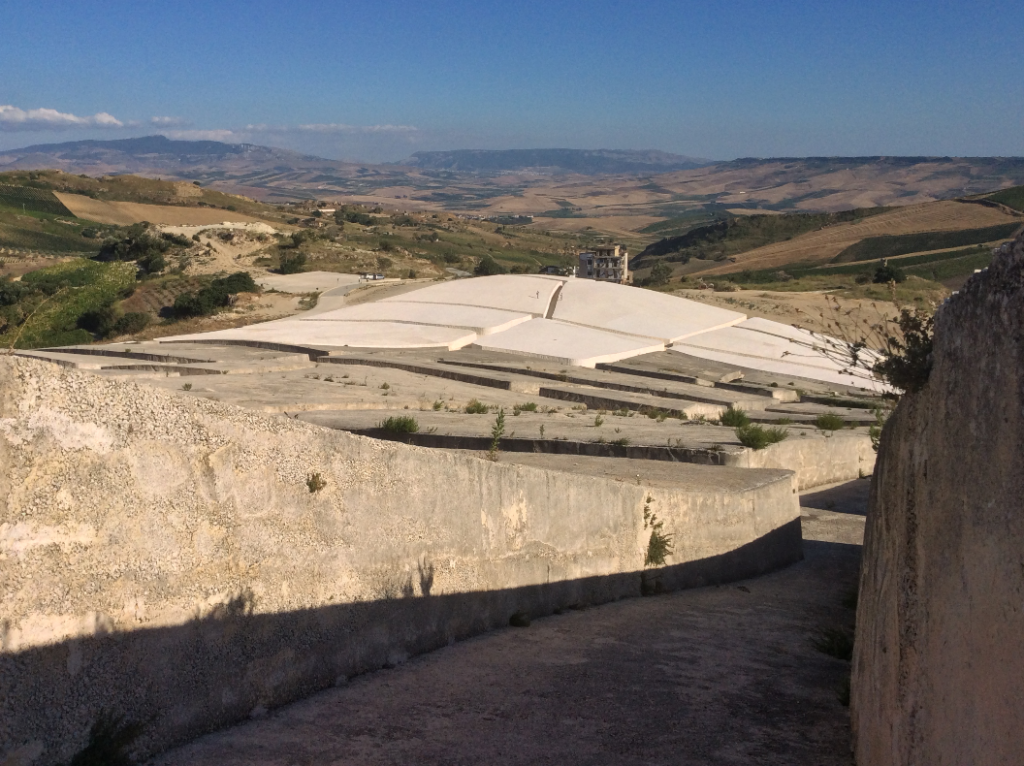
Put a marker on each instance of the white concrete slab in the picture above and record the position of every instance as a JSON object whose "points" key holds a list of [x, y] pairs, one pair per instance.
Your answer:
{"points": [[307, 281], [567, 343], [511, 292], [635, 311], [784, 350], [479, 320], [344, 334]]}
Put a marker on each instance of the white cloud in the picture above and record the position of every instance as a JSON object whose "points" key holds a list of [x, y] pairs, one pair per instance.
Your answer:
{"points": [[169, 122], [14, 119]]}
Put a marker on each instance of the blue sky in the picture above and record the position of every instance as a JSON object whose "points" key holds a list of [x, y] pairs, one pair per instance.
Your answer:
{"points": [[379, 80]]}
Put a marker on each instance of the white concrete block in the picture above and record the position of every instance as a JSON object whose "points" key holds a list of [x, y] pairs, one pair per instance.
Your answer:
{"points": [[344, 334], [480, 320], [567, 343], [777, 348], [511, 292], [635, 311]]}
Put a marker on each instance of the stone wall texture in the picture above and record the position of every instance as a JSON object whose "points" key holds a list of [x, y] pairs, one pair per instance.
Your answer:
{"points": [[938, 671], [162, 558]]}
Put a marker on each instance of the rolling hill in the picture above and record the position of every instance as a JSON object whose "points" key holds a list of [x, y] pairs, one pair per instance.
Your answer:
{"points": [[590, 162]]}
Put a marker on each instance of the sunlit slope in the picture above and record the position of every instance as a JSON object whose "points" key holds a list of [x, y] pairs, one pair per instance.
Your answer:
{"points": [[823, 245]]}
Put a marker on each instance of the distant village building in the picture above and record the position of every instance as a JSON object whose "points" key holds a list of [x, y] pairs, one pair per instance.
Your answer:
{"points": [[606, 264]]}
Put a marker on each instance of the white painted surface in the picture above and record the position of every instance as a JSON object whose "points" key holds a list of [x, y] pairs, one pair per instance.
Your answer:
{"points": [[567, 343], [480, 320], [512, 292], [635, 311], [341, 334], [777, 348]]}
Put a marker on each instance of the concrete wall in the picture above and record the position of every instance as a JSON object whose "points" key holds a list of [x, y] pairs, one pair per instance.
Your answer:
{"points": [[939, 661], [843, 456], [162, 556]]}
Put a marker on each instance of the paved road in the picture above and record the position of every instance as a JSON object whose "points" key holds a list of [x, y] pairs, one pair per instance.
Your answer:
{"points": [[720, 675]]}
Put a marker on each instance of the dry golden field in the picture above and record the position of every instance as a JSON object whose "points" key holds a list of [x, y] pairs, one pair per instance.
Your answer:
{"points": [[125, 213], [824, 244]]}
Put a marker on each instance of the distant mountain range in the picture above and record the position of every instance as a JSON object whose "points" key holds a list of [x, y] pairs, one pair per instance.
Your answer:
{"points": [[583, 161], [551, 183]]}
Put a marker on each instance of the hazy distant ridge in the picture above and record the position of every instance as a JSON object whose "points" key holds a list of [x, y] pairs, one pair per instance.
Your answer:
{"points": [[584, 161]]}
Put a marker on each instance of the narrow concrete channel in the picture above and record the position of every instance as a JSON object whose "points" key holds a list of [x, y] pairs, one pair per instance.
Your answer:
{"points": [[718, 675]]}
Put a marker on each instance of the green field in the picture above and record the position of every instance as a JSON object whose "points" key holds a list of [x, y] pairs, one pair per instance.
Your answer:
{"points": [[722, 239], [1012, 197], [45, 308], [888, 246]]}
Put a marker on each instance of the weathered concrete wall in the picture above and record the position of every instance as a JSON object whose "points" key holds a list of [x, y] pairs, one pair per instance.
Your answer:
{"points": [[939, 657], [843, 456], [162, 556]]}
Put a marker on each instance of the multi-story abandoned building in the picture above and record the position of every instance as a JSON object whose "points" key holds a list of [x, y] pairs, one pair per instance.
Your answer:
{"points": [[608, 263]]}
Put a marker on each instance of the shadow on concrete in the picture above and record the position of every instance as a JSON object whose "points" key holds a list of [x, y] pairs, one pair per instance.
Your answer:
{"points": [[848, 497], [236, 663]]}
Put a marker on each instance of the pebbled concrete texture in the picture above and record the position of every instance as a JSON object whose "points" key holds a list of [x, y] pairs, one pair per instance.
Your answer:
{"points": [[938, 662], [722, 676], [163, 557]]}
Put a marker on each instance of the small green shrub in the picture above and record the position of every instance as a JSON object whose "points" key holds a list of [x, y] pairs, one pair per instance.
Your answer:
{"points": [[524, 407], [659, 546], [734, 418], [623, 442], [399, 424], [758, 437], [315, 482], [829, 421], [186, 387], [598, 421], [292, 264], [497, 431], [907, 357], [438, 404], [476, 407]]}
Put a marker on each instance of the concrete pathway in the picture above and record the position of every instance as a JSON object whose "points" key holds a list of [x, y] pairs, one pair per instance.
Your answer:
{"points": [[721, 675]]}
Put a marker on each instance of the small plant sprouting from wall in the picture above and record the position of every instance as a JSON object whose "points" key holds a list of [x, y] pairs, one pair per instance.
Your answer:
{"points": [[497, 431], [598, 421], [524, 407], [758, 437], [829, 421], [659, 548], [476, 407], [734, 418], [315, 482]]}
